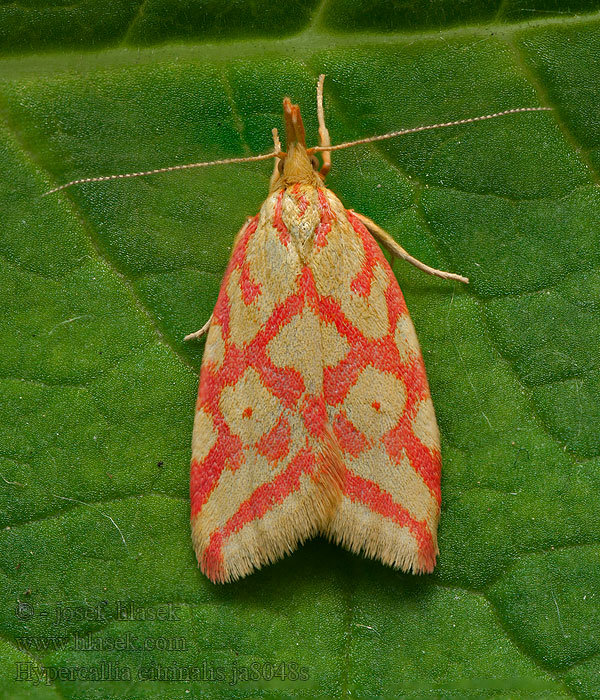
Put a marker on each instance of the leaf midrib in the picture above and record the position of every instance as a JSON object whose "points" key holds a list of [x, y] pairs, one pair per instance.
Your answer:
{"points": [[311, 40]]}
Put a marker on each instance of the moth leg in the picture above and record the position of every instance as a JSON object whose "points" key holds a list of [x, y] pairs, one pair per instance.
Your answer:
{"points": [[324, 139], [201, 332], [398, 251]]}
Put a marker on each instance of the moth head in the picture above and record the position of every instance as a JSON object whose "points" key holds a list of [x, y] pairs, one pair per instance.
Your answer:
{"points": [[295, 164]]}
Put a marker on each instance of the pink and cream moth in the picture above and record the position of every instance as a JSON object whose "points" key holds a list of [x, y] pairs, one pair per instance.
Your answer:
{"points": [[313, 412]]}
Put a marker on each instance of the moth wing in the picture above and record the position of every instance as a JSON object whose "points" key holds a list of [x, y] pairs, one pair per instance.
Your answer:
{"points": [[378, 401], [265, 473]]}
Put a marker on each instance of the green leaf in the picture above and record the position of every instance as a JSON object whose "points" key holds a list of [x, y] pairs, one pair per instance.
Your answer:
{"points": [[101, 594]]}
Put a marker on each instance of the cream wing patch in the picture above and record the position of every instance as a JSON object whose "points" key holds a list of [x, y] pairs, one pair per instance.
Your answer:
{"points": [[204, 436], [214, 351], [399, 479], [271, 265], [335, 346], [375, 402], [406, 339], [298, 345], [247, 321], [369, 314], [337, 264], [272, 262], [425, 426], [248, 408]]}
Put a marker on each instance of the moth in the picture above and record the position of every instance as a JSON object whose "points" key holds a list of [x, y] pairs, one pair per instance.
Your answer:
{"points": [[314, 414]]}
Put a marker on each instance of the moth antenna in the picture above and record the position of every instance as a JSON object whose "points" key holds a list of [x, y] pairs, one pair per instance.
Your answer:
{"points": [[324, 140], [414, 130], [276, 142], [143, 173]]}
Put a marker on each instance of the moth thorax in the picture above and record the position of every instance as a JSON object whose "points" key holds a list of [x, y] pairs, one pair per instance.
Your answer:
{"points": [[298, 167]]}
